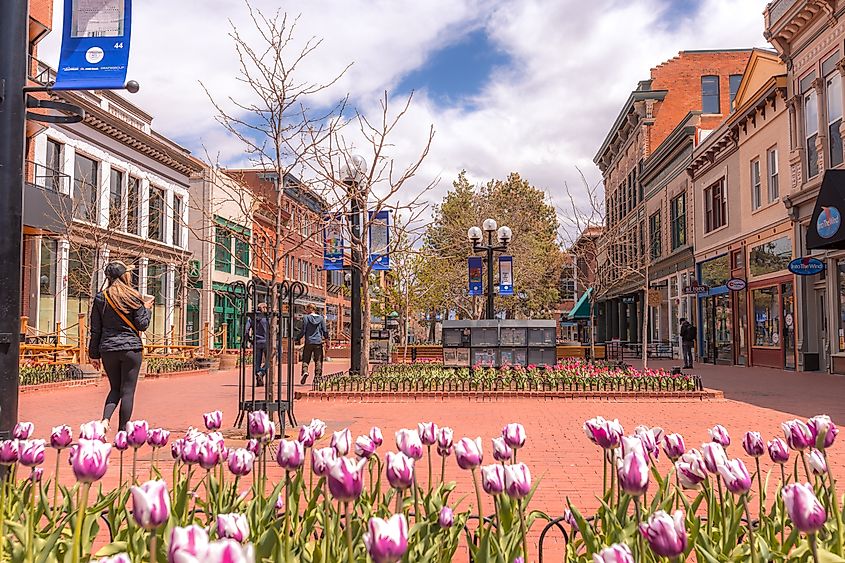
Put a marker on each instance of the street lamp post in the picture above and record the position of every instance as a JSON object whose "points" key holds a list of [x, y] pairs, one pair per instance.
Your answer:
{"points": [[353, 173], [476, 235]]}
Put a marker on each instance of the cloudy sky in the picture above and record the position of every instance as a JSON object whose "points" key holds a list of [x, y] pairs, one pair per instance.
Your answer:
{"points": [[530, 86]]}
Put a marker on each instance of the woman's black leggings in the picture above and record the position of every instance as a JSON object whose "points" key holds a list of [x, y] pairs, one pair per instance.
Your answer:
{"points": [[122, 369]]}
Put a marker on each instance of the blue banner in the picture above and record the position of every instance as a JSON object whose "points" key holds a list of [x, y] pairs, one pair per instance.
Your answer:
{"points": [[333, 242], [380, 240], [505, 275], [476, 286], [95, 45]]}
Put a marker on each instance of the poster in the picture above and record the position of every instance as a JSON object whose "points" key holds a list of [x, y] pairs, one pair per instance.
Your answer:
{"points": [[505, 275], [476, 287], [380, 240], [333, 242], [95, 45]]}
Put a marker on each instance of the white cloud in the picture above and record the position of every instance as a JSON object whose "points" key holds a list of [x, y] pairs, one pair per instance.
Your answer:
{"points": [[573, 65]]}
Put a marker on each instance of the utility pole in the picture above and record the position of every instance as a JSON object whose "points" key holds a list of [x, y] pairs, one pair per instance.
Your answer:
{"points": [[355, 333], [14, 16]]}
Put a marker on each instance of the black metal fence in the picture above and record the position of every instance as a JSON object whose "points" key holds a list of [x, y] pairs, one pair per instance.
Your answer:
{"points": [[623, 350]]}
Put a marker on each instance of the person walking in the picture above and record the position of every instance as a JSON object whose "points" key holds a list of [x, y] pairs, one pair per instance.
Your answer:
{"points": [[257, 332], [688, 334], [119, 314], [314, 331]]}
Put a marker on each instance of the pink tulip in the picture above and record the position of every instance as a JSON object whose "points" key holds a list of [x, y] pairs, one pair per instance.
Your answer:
{"points": [[632, 444], [445, 518], [736, 477], [209, 455], [798, 435], [753, 444], [719, 434], [31, 452], [228, 551], [376, 436], [233, 526], [89, 460], [666, 535], [151, 504], [117, 558], [468, 453], [136, 432], [217, 440], [517, 480], [280, 504], [400, 470], [804, 509], [444, 441], [616, 553], [501, 451], [187, 545], [61, 437], [633, 474], [260, 426], [364, 447], [36, 474], [408, 442], [9, 452], [387, 540], [320, 460], [192, 449], [23, 430], [673, 446], [493, 479], [291, 455], [158, 437], [606, 434], [94, 430], [241, 461], [778, 451], [824, 431], [306, 436], [427, 432], [650, 437], [691, 469], [318, 426], [254, 446], [345, 478], [213, 420], [818, 464], [514, 435], [176, 447], [342, 442], [714, 455]]}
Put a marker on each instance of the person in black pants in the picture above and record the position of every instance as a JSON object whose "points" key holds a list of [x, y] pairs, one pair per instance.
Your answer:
{"points": [[257, 332], [688, 334], [118, 316]]}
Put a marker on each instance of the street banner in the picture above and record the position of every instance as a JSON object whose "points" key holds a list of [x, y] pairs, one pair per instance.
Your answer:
{"points": [[95, 45], [505, 275], [380, 240], [333, 242], [476, 287]]}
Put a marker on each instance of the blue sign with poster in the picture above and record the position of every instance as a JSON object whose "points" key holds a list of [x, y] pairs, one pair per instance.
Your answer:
{"points": [[476, 286], [333, 242], [380, 240], [806, 266], [95, 45], [505, 275], [828, 222]]}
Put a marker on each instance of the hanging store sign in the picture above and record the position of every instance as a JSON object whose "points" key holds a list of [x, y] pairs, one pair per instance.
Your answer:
{"points": [[380, 240], [95, 45], [505, 275], [736, 284], [696, 288], [806, 266], [629, 299], [333, 242], [825, 229], [475, 285]]}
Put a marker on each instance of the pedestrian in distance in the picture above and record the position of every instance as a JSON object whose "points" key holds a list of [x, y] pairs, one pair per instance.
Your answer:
{"points": [[688, 334], [119, 314], [314, 331], [257, 332]]}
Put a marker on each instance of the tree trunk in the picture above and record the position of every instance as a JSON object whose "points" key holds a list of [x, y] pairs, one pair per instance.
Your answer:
{"points": [[366, 304], [592, 331], [646, 312]]}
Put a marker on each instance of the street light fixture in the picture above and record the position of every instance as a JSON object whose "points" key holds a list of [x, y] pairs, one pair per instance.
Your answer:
{"points": [[476, 236], [353, 171]]}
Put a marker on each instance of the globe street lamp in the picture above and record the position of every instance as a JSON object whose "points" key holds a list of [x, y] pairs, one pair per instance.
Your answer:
{"points": [[353, 173], [476, 235]]}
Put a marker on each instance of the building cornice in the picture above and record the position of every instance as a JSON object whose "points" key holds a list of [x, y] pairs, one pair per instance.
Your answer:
{"points": [[619, 132]]}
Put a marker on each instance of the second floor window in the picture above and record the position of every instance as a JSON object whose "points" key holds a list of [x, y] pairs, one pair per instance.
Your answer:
{"points": [[85, 179], [715, 208], [834, 117], [679, 220], [654, 236], [157, 214], [133, 206], [755, 184], [734, 81], [242, 256], [54, 165], [178, 207], [772, 159], [115, 199], [222, 249], [811, 132], [710, 94]]}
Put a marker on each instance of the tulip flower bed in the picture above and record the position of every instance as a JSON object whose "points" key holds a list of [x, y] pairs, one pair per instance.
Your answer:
{"points": [[338, 502], [170, 365], [705, 505], [38, 374], [569, 375]]}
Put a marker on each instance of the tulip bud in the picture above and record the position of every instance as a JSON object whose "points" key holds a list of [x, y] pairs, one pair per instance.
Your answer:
{"points": [[320, 459], [31, 452], [616, 553], [735, 475], [408, 442], [364, 447], [306, 436], [387, 540], [151, 504], [121, 441], [427, 432], [209, 455], [158, 437], [376, 436], [818, 464], [714, 455], [753, 444], [9, 452], [691, 469], [804, 509], [291, 455], [136, 432], [400, 470], [778, 451], [606, 434], [444, 441], [241, 461], [445, 518], [254, 446], [824, 431], [319, 428], [233, 526], [280, 504], [719, 434], [229, 551], [650, 437], [468, 453], [89, 460], [633, 474], [176, 449], [631, 445], [192, 449], [569, 518], [517, 480], [501, 451], [94, 430], [798, 435], [117, 558], [187, 544], [673, 446], [260, 426], [213, 420], [342, 442], [493, 479], [345, 479], [23, 430], [61, 437], [666, 535], [36, 474], [514, 435]]}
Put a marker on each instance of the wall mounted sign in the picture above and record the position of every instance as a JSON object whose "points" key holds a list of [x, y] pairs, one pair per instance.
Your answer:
{"points": [[629, 299], [736, 284], [95, 45], [825, 229], [380, 240], [655, 297], [332, 242], [505, 275], [806, 266], [696, 288], [476, 286], [828, 222]]}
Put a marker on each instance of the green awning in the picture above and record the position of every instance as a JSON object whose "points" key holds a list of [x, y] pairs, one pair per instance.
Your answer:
{"points": [[581, 310]]}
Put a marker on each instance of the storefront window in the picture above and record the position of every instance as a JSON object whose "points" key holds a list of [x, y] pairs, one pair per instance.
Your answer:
{"points": [[156, 276], [47, 286], [80, 276], [716, 272], [772, 256], [766, 317], [841, 268]]}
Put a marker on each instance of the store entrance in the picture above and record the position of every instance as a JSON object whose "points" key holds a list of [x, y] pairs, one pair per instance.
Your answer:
{"points": [[717, 329]]}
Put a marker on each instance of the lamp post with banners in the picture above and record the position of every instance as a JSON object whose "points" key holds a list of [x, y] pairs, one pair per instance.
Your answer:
{"points": [[476, 235]]}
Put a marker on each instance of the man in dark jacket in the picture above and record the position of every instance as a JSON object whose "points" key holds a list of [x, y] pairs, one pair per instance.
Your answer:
{"points": [[314, 331], [687, 342], [257, 332]]}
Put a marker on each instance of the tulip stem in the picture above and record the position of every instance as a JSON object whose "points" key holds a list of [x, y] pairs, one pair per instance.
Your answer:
{"points": [[349, 555], [134, 465], [522, 529], [30, 521], [813, 548], [287, 510], [443, 470], [153, 547], [751, 539], [416, 499], [80, 517], [835, 501], [478, 499], [604, 475], [806, 468], [121, 469], [4, 477], [430, 473], [759, 486], [400, 494], [153, 463], [56, 485]]}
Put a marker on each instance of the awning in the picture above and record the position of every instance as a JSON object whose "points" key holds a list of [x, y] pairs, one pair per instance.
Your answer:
{"points": [[581, 310], [826, 230]]}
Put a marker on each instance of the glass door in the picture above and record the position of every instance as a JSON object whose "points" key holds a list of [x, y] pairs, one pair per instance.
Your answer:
{"points": [[788, 300], [724, 330], [740, 335]]}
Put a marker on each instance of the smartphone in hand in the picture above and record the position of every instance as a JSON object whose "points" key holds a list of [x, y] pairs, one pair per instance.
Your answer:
{"points": [[148, 300]]}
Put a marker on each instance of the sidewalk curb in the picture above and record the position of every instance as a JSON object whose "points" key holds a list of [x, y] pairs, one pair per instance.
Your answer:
{"points": [[395, 396]]}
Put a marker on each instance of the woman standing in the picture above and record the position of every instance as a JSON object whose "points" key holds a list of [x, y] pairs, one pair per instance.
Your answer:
{"points": [[118, 316]]}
